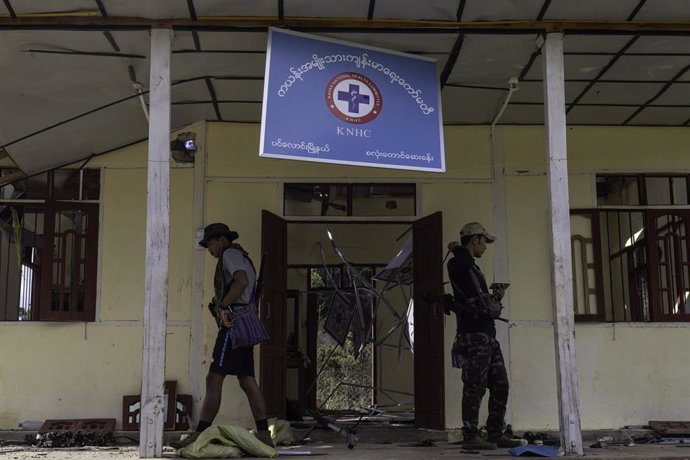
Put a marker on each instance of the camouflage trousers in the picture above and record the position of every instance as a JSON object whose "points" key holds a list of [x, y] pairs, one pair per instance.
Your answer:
{"points": [[482, 366]]}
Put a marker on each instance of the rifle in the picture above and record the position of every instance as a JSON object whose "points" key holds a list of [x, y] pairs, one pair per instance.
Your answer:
{"points": [[449, 303]]}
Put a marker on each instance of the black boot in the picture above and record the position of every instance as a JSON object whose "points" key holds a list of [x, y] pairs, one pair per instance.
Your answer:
{"points": [[504, 441], [477, 442]]}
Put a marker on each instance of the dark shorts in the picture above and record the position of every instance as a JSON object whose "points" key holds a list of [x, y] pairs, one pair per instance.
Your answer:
{"points": [[226, 361]]}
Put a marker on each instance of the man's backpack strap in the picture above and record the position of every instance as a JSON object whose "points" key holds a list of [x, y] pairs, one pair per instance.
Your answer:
{"points": [[221, 288]]}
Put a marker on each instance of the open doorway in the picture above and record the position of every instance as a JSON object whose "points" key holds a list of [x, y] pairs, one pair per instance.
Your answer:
{"points": [[392, 368], [344, 372]]}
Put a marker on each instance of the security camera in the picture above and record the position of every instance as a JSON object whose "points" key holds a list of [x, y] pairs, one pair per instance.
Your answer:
{"points": [[184, 147], [513, 83]]}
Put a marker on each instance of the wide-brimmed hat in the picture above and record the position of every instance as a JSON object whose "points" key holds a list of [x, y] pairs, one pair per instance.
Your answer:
{"points": [[217, 229], [475, 228]]}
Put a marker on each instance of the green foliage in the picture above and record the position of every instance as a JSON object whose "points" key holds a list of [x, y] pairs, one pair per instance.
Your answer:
{"points": [[317, 279], [344, 381], [342, 369]]}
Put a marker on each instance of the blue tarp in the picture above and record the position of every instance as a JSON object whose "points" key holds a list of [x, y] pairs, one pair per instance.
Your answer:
{"points": [[531, 450]]}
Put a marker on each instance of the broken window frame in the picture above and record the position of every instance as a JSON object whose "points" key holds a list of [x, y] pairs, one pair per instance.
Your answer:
{"points": [[340, 199]]}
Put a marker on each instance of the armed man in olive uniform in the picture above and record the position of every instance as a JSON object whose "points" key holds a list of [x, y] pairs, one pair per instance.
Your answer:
{"points": [[476, 350]]}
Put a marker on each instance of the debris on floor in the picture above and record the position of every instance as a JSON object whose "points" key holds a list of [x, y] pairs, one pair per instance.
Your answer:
{"points": [[540, 439], [78, 424], [670, 428], [72, 439]]}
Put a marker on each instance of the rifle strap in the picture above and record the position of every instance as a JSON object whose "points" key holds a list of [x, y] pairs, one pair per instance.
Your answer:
{"points": [[477, 286]]}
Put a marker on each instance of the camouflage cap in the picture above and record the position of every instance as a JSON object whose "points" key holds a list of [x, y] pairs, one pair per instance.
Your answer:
{"points": [[475, 228]]}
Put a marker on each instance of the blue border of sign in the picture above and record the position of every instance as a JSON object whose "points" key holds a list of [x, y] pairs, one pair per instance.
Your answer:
{"points": [[331, 101]]}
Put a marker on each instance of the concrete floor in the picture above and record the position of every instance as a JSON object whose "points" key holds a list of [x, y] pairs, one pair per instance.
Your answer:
{"points": [[376, 443], [363, 451]]}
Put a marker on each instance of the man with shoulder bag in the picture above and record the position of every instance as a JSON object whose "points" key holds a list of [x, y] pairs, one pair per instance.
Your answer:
{"points": [[239, 329], [476, 350]]}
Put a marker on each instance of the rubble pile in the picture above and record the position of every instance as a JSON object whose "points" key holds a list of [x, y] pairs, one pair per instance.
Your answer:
{"points": [[72, 439]]}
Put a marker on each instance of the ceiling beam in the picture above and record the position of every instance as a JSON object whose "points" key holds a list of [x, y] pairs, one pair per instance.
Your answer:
{"points": [[111, 40], [8, 5], [212, 93], [305, 23], [544, 8], [452, 59], [461, 10], [12, 177], [603, 80], [86, 53], [372, 7], [637, 9], [192, 15]]}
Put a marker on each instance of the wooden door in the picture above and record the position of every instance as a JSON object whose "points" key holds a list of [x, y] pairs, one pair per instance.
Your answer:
{"points": [[427, 256], [273, 313]]}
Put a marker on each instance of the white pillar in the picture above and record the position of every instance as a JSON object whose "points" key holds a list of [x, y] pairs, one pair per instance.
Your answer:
{"points": [[198, 308], [501, 270], [157, 246], [561, 270]]}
